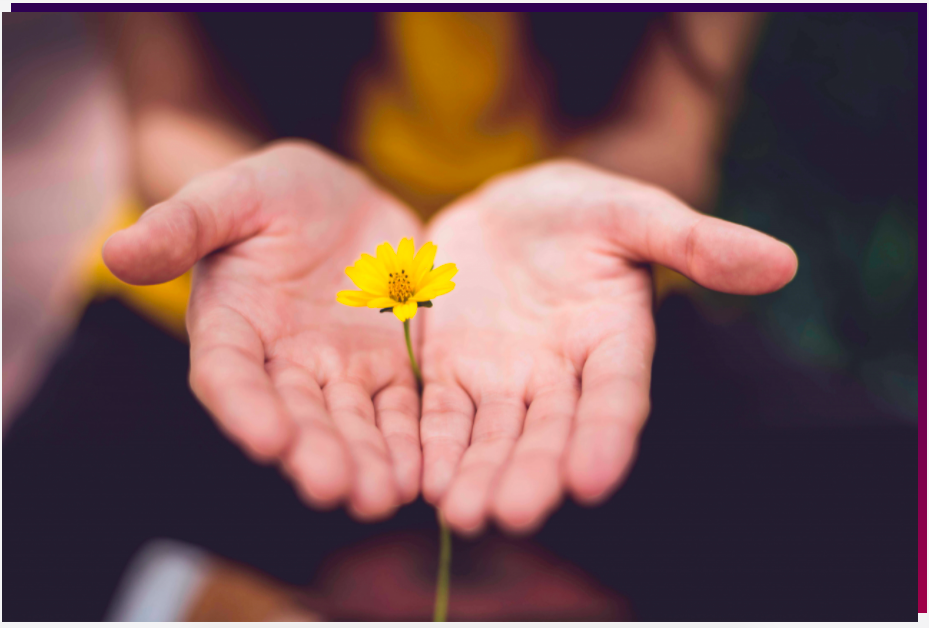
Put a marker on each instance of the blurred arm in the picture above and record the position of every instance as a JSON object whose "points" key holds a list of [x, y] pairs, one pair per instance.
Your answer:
{"points": [[675, 114], [182, 123]]}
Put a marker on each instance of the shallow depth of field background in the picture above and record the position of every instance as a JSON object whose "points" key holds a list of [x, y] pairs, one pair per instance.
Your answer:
{"points": [[824, 154]]}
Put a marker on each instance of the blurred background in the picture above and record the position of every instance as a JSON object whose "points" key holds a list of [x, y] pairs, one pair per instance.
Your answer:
{"points": [[801, 125]]}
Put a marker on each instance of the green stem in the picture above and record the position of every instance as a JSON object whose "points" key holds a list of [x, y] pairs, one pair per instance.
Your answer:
{"points": [[445, 537], [409, 347], [445, 563]]}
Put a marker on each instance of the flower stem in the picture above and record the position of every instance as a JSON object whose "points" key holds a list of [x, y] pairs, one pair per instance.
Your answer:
{"points": [[445, 537], [409, 347], [442, 581]]}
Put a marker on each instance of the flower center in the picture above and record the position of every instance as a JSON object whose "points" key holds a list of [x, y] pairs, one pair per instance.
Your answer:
{"points": [[399, 287]]}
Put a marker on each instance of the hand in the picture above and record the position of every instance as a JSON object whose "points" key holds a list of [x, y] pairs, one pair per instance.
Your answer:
{"points": [[290, 374], [537, 366]]}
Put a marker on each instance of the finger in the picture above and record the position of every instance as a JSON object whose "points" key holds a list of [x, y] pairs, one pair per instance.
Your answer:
{"points": [[397, 412], [715, 253], [213, 211], [497, 424], [227, 374], [319, 461], [613, 407], [530, 486], [445, 430], [374, 492]]}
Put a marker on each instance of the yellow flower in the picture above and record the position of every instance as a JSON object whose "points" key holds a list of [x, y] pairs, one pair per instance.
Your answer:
{"points": [[398, 280]]}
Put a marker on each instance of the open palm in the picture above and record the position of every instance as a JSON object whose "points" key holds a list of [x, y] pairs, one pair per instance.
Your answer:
{"points": [[294, 377], [537, 367]]}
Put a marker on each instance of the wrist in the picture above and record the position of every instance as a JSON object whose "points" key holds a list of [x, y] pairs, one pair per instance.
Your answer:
{"points": [[172, 146]]}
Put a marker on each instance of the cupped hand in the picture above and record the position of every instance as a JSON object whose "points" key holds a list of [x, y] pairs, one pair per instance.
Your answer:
{"points": [[537, 367], [287, 372]]}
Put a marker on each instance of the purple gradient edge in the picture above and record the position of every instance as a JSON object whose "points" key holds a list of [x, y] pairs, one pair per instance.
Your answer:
{"points": [[922, 319]]}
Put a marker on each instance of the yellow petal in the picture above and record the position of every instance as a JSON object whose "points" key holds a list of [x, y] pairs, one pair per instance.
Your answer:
{"points": [[405, 254], [433, 290], [381, 302], [367, 281], [442, 273], [387, 257], [436, 283], [423, 264], [372, 265], [405, 311], [354, 298]]}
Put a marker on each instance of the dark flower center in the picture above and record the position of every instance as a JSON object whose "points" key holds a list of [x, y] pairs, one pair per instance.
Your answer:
{"points": [[399, 287]]}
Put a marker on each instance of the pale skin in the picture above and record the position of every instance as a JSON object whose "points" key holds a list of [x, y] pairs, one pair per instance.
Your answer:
{"points": [[536, 367], [295, 378]]}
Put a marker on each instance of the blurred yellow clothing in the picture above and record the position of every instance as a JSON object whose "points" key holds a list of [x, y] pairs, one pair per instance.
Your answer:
{"points": [[453, 105]]}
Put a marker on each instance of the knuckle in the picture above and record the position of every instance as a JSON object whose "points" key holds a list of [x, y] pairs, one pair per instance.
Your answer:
{"points": [[692, 242], [406, 405], [358, 407], [494, 435], [403, 440], [443, 445], [444, 401]]}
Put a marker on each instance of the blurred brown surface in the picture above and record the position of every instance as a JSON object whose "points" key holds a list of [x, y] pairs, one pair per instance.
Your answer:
{"points": [[234, 593], [392, 578]]}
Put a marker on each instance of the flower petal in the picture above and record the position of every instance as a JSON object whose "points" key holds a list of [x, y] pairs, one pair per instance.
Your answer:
{"points": [[381, 302], [405, 254], [436, 283], [367, 281], [433, 290], [405, 311], [422, 264], [387, 257], [442, 273], [372, 265], [354, 298]]}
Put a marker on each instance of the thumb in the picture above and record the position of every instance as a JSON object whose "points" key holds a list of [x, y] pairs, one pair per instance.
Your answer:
{"points": [[717, 254], [213, 211]]}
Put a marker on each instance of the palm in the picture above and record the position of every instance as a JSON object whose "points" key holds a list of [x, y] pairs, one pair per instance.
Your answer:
{"points": [[292, 375], [537, 367]]}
